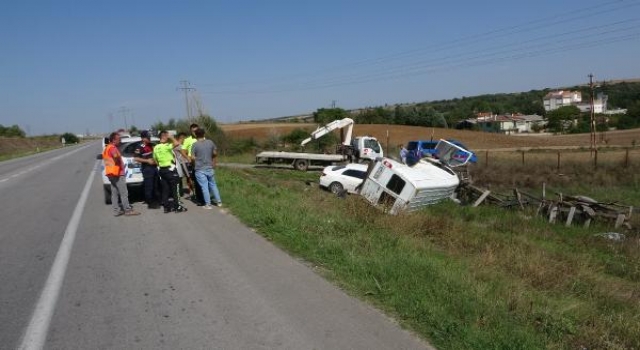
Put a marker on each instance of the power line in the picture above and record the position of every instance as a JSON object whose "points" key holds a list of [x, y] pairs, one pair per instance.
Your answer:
{"points": [[186, 88], [503, 53], [547, 22]]}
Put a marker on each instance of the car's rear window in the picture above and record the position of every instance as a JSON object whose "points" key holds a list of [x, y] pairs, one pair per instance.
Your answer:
{"points": [[338, 167]]}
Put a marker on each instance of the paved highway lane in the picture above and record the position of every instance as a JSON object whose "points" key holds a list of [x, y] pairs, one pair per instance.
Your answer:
{"points": [[194, 280], [38, 195]]}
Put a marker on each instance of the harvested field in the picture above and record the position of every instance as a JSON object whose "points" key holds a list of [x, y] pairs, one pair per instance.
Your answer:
{"points": [[400, 134]]}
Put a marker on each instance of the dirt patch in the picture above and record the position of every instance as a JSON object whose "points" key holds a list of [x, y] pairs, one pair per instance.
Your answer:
{"points": [[400, 134]]}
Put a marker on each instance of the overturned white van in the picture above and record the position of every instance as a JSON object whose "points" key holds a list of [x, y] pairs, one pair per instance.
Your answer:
{"points": [[395, 187]]}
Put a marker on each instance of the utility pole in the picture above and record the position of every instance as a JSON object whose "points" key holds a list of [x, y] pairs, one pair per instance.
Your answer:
{"points": [[111, 121], [133, 120], [333, 104], [592, 117], [124, 111], [186, 88]]}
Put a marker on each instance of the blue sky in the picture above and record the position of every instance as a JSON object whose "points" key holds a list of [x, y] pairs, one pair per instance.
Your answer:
{"points": [[67, 65]]}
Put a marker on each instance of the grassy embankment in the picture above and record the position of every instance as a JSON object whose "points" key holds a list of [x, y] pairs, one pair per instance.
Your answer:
{"points": [[11, 147], [462, 277]]}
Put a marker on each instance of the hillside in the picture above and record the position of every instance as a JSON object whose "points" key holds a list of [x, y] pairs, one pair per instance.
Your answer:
{"points": [[400, 134]]}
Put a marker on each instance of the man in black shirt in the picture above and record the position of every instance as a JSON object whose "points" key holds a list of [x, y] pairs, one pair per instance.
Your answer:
{"points": [[143, 154]]}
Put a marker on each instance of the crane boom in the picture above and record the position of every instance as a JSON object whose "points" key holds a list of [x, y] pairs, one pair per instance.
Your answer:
{"points": [[336, 124]]}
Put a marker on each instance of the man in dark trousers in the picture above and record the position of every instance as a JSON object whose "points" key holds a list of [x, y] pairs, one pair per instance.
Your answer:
{"points": [[164, 157], [143, 154], [187, 144]]}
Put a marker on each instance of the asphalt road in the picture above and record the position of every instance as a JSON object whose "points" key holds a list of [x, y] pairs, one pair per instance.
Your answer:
{"points": [[194, 280]]}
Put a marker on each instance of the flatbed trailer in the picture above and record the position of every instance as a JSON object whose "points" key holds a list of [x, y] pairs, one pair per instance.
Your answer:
{"points": [[299, 161]]}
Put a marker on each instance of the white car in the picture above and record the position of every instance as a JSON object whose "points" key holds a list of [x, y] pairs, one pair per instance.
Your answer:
{"points": [[337, 178], [132, 172]]}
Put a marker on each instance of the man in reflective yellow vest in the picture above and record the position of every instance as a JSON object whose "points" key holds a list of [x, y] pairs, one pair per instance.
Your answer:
{"points": [[114, 170], [187, 144], [165, 158]]}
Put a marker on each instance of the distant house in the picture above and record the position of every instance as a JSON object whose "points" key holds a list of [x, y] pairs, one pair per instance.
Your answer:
{"points": [[599, 104], [509, 123], [556, 99], [467, 124]]}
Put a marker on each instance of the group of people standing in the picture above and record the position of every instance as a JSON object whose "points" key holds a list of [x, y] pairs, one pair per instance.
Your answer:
{"points": [[163, 167]]}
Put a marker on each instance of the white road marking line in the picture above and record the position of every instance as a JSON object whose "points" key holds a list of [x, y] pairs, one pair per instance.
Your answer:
{"points": [[47, 162], [36, 333]]}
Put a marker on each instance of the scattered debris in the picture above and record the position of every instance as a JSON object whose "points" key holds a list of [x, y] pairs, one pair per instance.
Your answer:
{"points": [[567, 209], [614, 236]]}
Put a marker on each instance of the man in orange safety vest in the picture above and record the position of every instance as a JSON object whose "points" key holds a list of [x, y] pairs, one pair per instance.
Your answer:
{"points": [[114, 170]]}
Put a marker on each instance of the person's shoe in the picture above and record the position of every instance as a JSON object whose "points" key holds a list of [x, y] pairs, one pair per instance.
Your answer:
{"points": [[131, 212], [219, 204], [207, 206], [120, 213], [181, 209], [153, 206]]}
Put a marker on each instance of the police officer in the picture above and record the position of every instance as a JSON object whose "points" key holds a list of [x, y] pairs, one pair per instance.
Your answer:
{"points": [[164, 157], [143, 154]]}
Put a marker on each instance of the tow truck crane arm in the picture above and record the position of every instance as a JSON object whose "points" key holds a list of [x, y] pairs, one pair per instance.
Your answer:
{"points": [[336, 124]]}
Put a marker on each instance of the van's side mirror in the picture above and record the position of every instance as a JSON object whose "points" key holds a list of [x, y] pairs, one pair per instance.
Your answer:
{"points": [[99, 156]]}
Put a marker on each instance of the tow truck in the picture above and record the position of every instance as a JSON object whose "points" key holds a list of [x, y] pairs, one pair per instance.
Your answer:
{"points": [[356, 149]]}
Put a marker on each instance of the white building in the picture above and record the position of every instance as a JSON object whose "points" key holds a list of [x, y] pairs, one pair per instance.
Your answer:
{"points": [[599, 104], [556, 99], [509, 123]]}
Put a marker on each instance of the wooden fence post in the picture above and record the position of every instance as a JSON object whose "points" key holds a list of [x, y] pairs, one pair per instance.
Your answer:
{"points": [[522, 157], [595, 159], [486, 158], [626, 158], [558, 168]]}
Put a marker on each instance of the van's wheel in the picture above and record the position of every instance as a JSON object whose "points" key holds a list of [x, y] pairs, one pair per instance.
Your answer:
{"points": [[107, 195], [301, 164], [335, 187]]}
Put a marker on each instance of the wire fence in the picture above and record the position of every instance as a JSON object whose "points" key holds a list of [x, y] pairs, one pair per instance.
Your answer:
{"points": [[565, 158]]}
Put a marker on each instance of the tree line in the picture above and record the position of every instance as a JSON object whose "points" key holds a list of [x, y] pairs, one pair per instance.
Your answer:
{"points": [[448, 113], [11, 131]]}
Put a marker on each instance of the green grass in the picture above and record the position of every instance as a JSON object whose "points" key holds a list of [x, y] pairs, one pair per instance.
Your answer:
{"points": [[460, 277], [242, 158], [26, 153]]}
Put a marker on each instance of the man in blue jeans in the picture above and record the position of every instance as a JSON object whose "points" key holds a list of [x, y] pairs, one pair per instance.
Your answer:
{"points": [[204, 154]]}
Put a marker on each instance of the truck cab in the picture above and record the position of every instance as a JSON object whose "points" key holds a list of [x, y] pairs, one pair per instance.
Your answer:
{"points": [[366, 147], [428, 148]]}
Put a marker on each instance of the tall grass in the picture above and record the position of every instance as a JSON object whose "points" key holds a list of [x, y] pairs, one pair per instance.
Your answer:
{"points": [[461, 277]]}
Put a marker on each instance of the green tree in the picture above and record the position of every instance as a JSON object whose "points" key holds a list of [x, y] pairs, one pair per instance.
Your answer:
{"points": [[296, 136], [69, 138], [378, 115], [11, 131], [327, 115], [561, 119]]}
